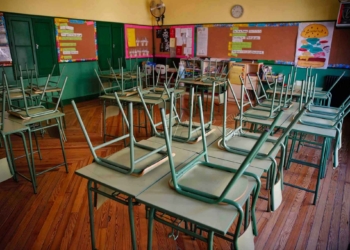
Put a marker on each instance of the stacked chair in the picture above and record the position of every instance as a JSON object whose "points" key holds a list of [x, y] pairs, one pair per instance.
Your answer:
{"points": [[235, 191]]}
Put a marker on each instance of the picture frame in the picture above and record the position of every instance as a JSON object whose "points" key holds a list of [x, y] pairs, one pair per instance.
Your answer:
{"points": [[343, 19]]}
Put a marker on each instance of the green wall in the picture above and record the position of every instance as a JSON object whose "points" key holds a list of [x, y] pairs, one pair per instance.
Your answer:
{"points": [[321, 73], [82, 83]]}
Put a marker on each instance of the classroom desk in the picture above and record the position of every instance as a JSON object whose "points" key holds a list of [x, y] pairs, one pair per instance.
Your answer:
{"points": [[44, 124], [213, 218], [9, 128], [326, 134], [113, 182], [134, 99]]}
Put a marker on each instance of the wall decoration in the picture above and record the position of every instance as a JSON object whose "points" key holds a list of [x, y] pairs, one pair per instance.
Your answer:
{"points": [[343, 19], [313, 45], [76, 40], [138, 41], [5, 55]]}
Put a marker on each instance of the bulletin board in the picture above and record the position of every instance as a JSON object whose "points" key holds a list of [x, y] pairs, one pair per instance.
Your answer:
{"points": [[252, 41], [174, 41], [340, 49], [5, 55], [138, 41], [76, 40], [276, 40]]}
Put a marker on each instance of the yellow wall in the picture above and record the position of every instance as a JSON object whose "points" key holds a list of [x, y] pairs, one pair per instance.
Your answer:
{"points": [[124, 11], [218, 11]]}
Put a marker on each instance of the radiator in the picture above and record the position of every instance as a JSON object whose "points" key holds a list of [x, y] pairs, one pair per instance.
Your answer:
{"points": [[340, 92]]}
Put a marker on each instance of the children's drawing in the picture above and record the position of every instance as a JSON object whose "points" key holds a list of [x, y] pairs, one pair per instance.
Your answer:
{"points": [[314, 44]]}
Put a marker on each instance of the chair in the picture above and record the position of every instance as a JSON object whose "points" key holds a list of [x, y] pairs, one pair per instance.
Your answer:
{"points": [[327, 122], [28, 111], [184, 131], [263, 99], [257, 111], [238, 142], [190, 180], [137, 159], [327, 94]]}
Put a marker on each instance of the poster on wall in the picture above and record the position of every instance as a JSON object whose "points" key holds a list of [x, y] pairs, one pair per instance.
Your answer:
{"points": [[313, 45], [165, 40], [202, 41], [5, 55], [76, 40]]}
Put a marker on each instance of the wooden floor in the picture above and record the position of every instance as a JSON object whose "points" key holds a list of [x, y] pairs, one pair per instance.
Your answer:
{"points": [[57, 217]]}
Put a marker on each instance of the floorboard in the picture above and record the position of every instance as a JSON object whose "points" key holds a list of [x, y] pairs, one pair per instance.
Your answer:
{"points": [[58, 218]]}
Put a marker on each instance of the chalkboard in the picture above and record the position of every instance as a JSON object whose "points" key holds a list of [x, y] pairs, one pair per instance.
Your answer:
{"points": [[5, 55], [76, 40], [138, 41]]}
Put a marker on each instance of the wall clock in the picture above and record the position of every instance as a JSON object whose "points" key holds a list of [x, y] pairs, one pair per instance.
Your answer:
{"points": [[237, 11]]}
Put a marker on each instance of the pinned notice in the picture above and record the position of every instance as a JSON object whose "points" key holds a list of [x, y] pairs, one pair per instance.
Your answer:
{"points": [[131, 37]]}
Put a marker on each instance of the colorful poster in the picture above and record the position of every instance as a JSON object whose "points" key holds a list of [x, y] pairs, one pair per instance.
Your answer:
{"points": [[131, 37], [313, 45], [76, 40], [5, 55]]}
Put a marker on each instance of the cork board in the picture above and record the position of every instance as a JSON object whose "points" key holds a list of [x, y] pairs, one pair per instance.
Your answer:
{"points": [[141, 44], [273, 43], [340, 50], [178, 51], [76, 40]]}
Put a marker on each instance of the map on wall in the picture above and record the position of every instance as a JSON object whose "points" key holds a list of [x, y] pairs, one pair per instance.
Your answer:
{"points": [[314, 44], [5, 55]]}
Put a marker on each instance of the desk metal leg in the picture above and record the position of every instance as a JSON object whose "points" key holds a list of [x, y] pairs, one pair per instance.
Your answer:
{"points": [[150, 228], [91, 215], [62, 144], [210, 240], [132, 224]]}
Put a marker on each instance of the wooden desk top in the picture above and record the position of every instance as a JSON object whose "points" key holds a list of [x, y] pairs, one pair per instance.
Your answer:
{"points": [[128, 184], [11, 127]]}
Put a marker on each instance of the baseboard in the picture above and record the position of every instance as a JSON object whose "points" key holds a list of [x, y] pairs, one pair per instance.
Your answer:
{"points": [[80, 99]]}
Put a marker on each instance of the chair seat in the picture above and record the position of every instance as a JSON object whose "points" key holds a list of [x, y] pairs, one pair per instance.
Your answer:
{"points": [[143, 166], [257, 113], [323, 116], [214, 181], [246, 144], [316, 121], [324, 109], [181, 131]]}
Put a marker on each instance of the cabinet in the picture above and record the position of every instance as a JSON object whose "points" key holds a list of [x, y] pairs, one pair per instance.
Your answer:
{"points": [[243, 69], [110, 42]]}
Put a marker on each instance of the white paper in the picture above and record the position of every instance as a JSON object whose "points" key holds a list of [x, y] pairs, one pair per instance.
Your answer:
{"points": [[189, 32], [251, 37], [237, 39], [255, 31], [187, 51], [188, 42], [240, 31], [202, 41], [313, 44], [257, 52], [74, 52], [177, 32], [69, 28], [179, 41]]}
